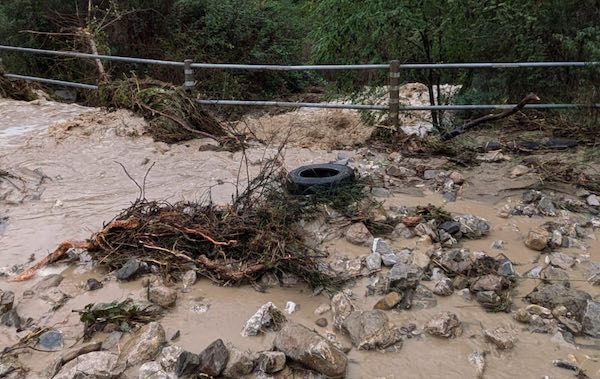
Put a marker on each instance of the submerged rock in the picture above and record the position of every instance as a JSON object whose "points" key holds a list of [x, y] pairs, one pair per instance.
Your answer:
{"points": [[267, 318], [11, 319], [144, 345], [315, 352], [49, 281], [188, 280], [93, 284], [444, 324], [371, 330], [477, 359], [51, 340], [546, 207]]}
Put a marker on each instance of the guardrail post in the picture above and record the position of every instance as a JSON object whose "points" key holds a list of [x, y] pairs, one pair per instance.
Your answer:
{"points": [[394, 94], [190, 83]]}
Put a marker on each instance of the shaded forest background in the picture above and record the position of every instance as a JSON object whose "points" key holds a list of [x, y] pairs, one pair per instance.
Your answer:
{"points": [[316, 31]]}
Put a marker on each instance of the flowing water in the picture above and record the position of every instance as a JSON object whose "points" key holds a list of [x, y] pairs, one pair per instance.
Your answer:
{"points": [[78, 185]]}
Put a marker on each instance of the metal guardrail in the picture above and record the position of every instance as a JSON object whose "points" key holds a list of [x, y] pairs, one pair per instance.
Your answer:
{"points": [[394, 68]]}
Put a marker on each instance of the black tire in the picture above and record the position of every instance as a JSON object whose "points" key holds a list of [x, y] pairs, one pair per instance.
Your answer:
{"points": [[318, 177]]}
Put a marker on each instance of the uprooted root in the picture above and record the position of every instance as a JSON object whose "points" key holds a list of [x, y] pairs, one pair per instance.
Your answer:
{"points": [[173, 114]]}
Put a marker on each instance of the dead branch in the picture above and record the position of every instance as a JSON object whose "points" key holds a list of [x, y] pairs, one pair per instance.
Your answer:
{"points": [[491, 117], [57, 254]]}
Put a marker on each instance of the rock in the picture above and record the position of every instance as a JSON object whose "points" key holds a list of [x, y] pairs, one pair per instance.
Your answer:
{"points": [[535, 273], [458, 261], [381, 247], [153, 370], [559, 311], [561, 260], [490, 282], [322, 322], [267, 318], [421, 298], [187, 364], [51, 340], [322, 309], [451, 227], [289, 280], [49, 281], [555, 275], [213, 359], [472, 226], [500, 337], [7, 299], [358, 234], [271, 362], [477, 359], [131, 269], [553, 295], [371, 330], [310, 349], [11, 319], [537, 239], [403, 276], [144, 345], [389, 301], [535, 309], [522, 316], [519, 170], [373, 262], [546, 207], [188, 280], [168, 357], [591, 318], [400, 172], [506, 269], [444, 324], [390, 259], [112, 340], [425, 230], [572, 325], [97, 364], [55, 297], [342, 305], [92, 284], [443, 287], [420, 259], [162, 295], [291, 307], [460, 282], [269, 280], [531, 196], [457, 177], [490, 300], [239, 364], [430, 174], [593, 200]]}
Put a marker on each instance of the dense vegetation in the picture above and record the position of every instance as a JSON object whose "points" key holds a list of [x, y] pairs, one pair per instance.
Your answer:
{"points": [[317, 31]]}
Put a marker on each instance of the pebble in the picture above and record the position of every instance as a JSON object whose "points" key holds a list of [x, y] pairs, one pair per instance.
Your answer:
{"points": [[389, 301], [322, 322], [93, 284], [522, 316], [291, 307], [593, 200]]}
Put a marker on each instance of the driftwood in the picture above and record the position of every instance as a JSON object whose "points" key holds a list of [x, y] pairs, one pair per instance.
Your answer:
{"points": [[532, 97]]}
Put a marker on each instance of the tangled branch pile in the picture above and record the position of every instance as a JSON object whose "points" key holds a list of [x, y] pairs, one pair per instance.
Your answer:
{"points": [[173, 115]]}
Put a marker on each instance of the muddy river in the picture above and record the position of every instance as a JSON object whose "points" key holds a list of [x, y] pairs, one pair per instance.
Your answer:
{"points": [[71, 183]]}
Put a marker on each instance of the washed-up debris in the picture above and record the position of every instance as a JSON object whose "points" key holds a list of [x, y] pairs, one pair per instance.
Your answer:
{"points": [[267, 318], [125, 315]]}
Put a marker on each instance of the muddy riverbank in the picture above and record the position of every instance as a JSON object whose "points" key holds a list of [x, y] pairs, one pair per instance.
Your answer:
{"points": [[70, 186]]}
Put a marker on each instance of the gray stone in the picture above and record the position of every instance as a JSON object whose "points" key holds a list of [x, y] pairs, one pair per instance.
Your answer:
{"points": [[422, 298], [593, 200], [144, 345], [400, 172], [389, 301], [498, 244], [572, 326], [342, 305], [546, 207], [449, 196], [458, 261], [11, 319], [472, 226], [52, 340], [535, 273], [55, 297], [430, 174], [451, 227], [555, 275], [444, 324], [419, 259], [506, 269], [239, 364], [372, 330], [358, 234], [553, 295], [310, 349], [97, 364], [7, 299], [187, 364], [490, 282], [489, 299], [322, 322], [267, 318], [537, 239], [501, 337], [131, 269], [168, 357], [112, 340], [591, 319], [443, 287], [561, 260], [403, 276], [380, 192], [162, 295], [188, 280], [153, 370], [93, 284], [48, 282], [538, 310], [522, 316], [390, 259], [373, 262], [381, 247], [531, 196], [271, 362]]}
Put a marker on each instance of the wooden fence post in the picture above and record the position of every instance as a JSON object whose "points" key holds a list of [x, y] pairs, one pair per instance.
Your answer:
{"points": [[394, 94], [190, 83]]}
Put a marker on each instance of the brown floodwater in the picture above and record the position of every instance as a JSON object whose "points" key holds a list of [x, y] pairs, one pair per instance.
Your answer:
{"points": [[86, 188]]}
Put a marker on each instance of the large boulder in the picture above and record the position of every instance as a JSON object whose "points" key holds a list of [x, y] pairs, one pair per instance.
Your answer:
{"points": [[553, 295], [312, 350], [144, 345], [371, 330]]}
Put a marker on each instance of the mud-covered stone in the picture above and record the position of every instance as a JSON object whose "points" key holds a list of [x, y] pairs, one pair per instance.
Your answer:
{"points": [[144, 345], [371, 330], [591, 319], [312, 350], [7, 299], [537, 239], [490, 282], [472, 226], [162, 295]]}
